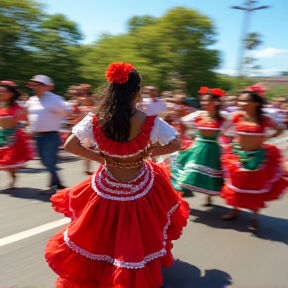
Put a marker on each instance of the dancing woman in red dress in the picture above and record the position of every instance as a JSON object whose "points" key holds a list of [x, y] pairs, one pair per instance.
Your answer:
{"points": [[125, 217], [15, 145], [252, 169]]}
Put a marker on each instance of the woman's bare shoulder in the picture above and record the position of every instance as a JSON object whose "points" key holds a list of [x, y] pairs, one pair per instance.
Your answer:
{"points": [[140, 115], [95, 110], [136, 122], [138, 118]]}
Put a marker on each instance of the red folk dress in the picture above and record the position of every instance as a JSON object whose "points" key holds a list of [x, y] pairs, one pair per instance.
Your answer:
{"points": [[15, 144], [121, 233], [251, 188]]}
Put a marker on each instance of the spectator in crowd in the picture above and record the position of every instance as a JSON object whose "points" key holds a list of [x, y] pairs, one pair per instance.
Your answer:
{"points": [[45, 113], [155, 105]]}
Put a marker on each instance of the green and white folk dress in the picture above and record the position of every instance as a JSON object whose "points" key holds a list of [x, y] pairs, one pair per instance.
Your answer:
{"points": [[199, 168]]}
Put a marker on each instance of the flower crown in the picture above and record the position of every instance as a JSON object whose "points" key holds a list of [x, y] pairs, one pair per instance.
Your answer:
{"points": [[118, 72], [8, 82], [215, 91], [257, 89], [203, 90]]}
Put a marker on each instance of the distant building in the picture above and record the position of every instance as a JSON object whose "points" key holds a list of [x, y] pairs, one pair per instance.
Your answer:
{"points": [[280, 80]]}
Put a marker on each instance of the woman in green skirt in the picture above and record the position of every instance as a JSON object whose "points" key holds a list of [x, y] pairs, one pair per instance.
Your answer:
{"points": [[198, 168]]}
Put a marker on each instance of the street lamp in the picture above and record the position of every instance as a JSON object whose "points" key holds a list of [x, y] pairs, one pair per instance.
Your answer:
{"points": [[247, 8]]}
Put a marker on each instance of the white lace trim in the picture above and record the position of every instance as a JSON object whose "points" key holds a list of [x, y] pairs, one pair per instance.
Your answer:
{"points": [[203, 170], [250, 133], [206, 140], [135, 188], [84, 131], [208, 128], [198, 189], [268, 186], [162, 132], [172, 210], [123, 156], [122, 264], [132, 189], [122, 185]]}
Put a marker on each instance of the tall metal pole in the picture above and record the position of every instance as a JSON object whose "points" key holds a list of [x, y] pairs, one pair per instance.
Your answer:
{"points": [[242, 47], [247, 17]]}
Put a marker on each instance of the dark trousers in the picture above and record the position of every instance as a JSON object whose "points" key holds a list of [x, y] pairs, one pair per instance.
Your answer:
{"points": [[48, 145]]}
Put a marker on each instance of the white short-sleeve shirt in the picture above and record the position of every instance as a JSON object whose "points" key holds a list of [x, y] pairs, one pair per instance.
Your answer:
{"points": [[46, 113]]}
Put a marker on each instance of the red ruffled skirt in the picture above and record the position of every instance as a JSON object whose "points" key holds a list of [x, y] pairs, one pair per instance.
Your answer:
{"points": [[18, 151], [121, 233], [250, 189]]}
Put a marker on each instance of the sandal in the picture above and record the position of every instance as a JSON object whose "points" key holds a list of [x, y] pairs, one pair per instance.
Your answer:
{"points": [[88, 173], [208, 203], [231, 216], [253, 225]]}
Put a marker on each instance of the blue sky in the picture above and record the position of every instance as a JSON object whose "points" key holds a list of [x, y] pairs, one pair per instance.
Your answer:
{"points": [[96, 17]]}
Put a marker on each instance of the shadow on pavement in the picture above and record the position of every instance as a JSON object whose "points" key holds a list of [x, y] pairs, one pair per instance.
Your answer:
{"points": [[26, 193], [185, 275], [68, 159], [187, 193], [270, 228], [31, 170]]}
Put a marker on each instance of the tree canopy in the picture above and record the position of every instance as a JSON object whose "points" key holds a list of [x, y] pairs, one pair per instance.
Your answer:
{"points": [[32, 42], [174, 51], [180, 42]]}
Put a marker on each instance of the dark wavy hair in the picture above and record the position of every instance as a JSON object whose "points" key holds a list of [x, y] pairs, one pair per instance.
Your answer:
{"points": [[12, 89], [115, 109], [257, 99], [218, 107]]}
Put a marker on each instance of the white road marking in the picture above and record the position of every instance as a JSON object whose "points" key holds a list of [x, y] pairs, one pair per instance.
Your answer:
{"points": [[34, 231], [277, 140]]}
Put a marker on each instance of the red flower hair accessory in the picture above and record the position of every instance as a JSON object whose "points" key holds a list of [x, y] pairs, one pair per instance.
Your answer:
{"points": [[118, 72], [257, 89], [203, 90], [7, 82], [217, 92]]}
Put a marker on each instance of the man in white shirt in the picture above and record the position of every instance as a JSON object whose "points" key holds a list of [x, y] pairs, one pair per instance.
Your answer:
{"points": [[45, 113], [155, 105]]}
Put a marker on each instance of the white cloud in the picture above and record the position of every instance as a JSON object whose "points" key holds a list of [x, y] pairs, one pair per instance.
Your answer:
{"points": [[267, 72], [269, 52], [230, 72], [261, 72]]}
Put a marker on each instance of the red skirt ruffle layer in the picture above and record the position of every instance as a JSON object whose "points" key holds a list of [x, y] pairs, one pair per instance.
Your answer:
{"points": [[15, 156], [250, 189], [119, 244]]}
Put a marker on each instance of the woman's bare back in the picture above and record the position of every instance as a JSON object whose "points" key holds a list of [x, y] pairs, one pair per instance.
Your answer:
{"points": [[136, 122]]}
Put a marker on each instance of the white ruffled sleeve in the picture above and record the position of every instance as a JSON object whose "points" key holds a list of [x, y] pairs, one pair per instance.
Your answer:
{"points": [[227, 127], [189, 119], [162, 132], [276, 120], [84, 131], [226, 115]]}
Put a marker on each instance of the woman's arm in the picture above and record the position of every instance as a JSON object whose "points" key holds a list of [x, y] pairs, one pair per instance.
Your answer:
{"points": [[189, 119], [171, 147], [278, 131], [74, 146], [276, 125]]}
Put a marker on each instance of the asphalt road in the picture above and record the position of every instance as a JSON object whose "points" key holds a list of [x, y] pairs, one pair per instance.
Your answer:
{"points": [[211, 253]]}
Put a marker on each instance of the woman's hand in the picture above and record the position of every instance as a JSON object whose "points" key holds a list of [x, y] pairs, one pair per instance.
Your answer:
{"points": [[74, 146], [171, 147]]}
